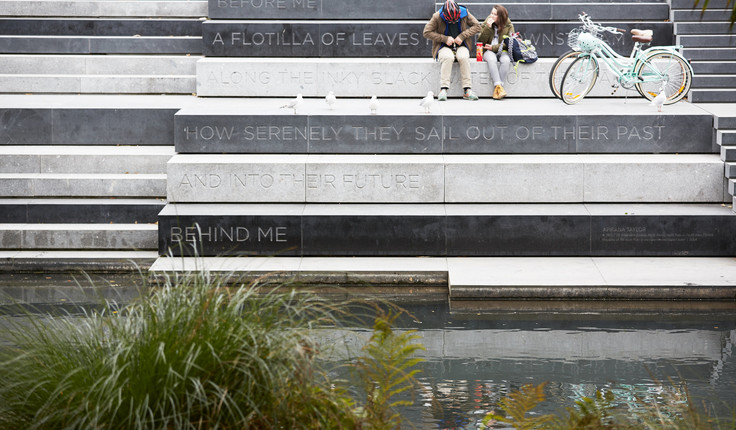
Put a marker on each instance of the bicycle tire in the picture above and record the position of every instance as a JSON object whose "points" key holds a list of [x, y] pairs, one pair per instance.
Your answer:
{"points": [[677, 70], [557, 72], [579, 79]]}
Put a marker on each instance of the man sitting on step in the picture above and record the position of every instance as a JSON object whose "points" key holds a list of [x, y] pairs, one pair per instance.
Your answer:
{"points": [[449, 30]]}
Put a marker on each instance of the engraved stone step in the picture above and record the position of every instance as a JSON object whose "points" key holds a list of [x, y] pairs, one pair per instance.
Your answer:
{"points": [[361, 77], [260, 38], [89, 119], [98, 84], [76, 211], [446, 178], [98, 64], [82, 185], [85, 159], [448, 230], [100, 45], [79, 8], [708, 40], [710, 95], [124, 27], [454, 126], [715, 81], [694, 54], [726, 137], [78, 236]]}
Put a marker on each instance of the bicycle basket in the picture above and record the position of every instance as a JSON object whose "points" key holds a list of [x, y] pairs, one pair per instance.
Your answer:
{"points": [[572, 38]]}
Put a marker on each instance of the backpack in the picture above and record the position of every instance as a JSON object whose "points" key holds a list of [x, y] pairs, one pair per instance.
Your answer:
{"points": [[521, 50]]}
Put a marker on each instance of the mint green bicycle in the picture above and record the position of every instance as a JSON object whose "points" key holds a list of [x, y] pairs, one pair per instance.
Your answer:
{"points": [[652, 71]]}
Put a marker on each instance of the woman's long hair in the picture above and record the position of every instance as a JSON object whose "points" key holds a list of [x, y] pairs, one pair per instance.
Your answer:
{"points": [[503, 15]]}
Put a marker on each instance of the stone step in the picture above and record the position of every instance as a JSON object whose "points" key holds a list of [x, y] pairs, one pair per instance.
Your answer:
{"points": [[712, 95], [80, 211], [61, 263], [688, 4], [85, 159], [78, 236], [453, 127], [719, 53], [697, 15], [361, 77], [713, 67], [473, 278], [108, 120], [721, 27], [121, 27], [82, 185], [136, 65], [708, 40], [345, 39], [724, 115], [568, 11], [731, 170], [84, 8], [726, 137], [98, 84], [715, 81], [101, 45], [684, 178], [447, 230], [728, 154]]}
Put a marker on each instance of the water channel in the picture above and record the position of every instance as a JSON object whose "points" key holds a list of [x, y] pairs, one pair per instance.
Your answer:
{"points": [[477, 352]]}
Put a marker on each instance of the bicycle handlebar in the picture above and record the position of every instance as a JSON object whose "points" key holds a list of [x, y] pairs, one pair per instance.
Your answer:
{"points": [[588, 24]]}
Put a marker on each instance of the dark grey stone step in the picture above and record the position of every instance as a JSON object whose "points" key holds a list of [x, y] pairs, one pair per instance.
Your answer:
{"points": [[726, 137], [106, 125], [76, 211], [100, 27], [714, 81], [731, 170], [100, 45], [377, 38], [713, 67], [697, 15], [728, 54], [728, 154], [447, 230], [689, 4], [722, 27], [712, 40], [531, 11], [400, 128], [709, 95]]}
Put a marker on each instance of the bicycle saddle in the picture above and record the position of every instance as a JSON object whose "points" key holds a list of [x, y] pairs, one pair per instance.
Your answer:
{"points": [[641, 36]]}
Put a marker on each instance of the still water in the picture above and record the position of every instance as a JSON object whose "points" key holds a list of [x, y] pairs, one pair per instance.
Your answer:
{"points": [[478, 352]]}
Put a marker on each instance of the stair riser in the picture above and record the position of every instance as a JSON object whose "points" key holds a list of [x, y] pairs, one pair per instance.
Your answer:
{"points": [[83, 163], [100, 45], [75, 239], [722, 27], [437, 179], [97, 65], [727, 54], [104, 126], [93, 187], [726, 138], [718, 96], [100, 27], [452, 235], [98, 84], [710, 67], [725, 41], [194, 9], [60, 213], [696, 15], [706, 81]]}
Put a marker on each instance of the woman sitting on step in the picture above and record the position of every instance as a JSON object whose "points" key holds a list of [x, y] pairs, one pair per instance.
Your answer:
{"points": [[492, 33]]}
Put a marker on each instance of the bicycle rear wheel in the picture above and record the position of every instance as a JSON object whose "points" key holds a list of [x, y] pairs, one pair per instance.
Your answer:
{"points": [[579, 79], [675, 72], [558, 70]]}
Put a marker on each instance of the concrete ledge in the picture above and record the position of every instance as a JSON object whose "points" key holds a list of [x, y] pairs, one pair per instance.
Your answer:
{"points": [[445, 178], [82, 185], [447, 230], [78, 236], [85, 159]]}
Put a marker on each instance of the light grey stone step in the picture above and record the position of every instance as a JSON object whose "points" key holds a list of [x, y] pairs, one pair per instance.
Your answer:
{"points": [[708, 40], [78, 236], [159, 45], [711, 95], [82, 185], [715, 81], [726, 137], [445, 178], [720, 53], [138, 65], [98, 84], [85, 159], [561, 277], [81, 8], [360, 77]]}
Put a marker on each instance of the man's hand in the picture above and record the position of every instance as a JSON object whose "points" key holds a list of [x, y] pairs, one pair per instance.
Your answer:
{"points": [[458, 41], [449, 41]]}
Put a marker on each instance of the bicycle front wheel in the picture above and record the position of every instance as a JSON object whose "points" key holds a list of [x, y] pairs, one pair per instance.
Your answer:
{"points": [[664, 71], [579, 79], [558, 70]]}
